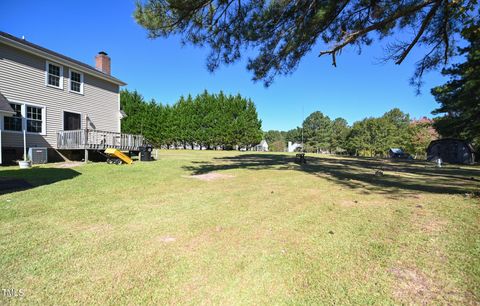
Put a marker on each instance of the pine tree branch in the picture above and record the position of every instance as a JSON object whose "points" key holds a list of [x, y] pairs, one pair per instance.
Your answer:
{"points": [[445, 31], [355, 35], [425, 23]]}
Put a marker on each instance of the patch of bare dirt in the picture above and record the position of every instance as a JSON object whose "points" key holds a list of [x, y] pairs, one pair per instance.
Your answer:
{"points": [[211, 176], [67, 164], [167, 239], [413, 286], [426, 222], [433, 226]]}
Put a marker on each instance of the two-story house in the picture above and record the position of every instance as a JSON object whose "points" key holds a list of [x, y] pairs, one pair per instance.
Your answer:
{"points": [[57, 102]]}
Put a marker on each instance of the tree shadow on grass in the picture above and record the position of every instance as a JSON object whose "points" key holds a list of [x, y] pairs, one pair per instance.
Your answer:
{"points": [[396, 177], [23, 179]]}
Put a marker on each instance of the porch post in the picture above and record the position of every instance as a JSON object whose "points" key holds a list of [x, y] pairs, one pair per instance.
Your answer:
{"points": [[86, 145], [86, 137], [25, 144], [1, 147]]}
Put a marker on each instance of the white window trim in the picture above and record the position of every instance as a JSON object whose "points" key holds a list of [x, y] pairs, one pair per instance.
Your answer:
{"points": [[46, 75], [24, 118], [70, 81], [63, 118]]}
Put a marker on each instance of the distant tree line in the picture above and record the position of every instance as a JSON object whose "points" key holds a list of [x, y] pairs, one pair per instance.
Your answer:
{"points": [[368, 137], [207, 120]]}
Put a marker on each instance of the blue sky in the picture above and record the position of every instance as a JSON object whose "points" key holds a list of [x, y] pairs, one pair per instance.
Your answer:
{"points": [[162, 69]]}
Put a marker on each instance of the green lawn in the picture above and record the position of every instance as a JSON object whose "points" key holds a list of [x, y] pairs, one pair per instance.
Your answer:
{"points": [[270, 231]]}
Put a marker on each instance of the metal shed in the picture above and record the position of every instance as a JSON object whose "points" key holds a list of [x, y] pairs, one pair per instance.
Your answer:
{"points": [[450, 150]]}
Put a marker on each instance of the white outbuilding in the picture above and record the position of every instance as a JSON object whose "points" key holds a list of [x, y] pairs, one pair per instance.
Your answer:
{"points": [[262, 146]]}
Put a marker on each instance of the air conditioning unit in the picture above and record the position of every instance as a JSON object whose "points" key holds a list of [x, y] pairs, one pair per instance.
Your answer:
{"points": [[38, 155]]}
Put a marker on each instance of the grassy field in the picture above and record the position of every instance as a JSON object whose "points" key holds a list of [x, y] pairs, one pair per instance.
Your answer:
{"points": [[266, 230]]}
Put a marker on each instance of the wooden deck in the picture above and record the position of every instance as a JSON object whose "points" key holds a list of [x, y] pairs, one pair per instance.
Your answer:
{"points": [[98, 140]]}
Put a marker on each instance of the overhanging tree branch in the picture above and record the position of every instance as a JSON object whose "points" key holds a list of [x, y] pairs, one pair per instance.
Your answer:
{"points": [[350, 38], [280, 33], [425, 23]]}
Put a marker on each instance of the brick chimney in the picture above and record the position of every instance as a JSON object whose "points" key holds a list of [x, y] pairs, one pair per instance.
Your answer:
{"points": [[102, 62]]}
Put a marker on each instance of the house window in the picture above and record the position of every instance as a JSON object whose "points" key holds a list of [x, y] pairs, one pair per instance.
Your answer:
{"points": [[76, 81], [34, 119], [54, 75], [14, 123]]}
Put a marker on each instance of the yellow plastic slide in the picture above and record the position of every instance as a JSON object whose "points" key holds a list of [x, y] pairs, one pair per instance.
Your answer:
{"points": [[119, 154]]}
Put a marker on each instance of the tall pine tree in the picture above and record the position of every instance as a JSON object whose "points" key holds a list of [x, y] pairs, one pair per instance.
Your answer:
{"points": [[459, 98]]}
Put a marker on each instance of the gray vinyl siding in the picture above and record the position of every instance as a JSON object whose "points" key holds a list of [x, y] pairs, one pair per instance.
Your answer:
{"points": [[22, 78]]}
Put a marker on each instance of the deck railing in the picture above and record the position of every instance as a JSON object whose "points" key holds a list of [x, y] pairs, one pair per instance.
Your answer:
{"points": [[98, 140]]}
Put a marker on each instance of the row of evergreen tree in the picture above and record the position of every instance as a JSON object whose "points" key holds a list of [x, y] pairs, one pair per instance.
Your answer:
{"points": [[368, 137], [207, 120], [226, 121]]}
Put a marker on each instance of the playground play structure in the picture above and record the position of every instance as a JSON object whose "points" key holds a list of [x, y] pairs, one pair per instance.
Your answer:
{"points": [[115, 156]]}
